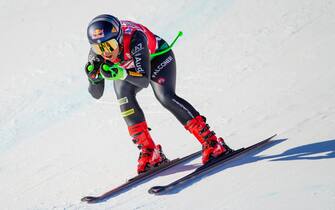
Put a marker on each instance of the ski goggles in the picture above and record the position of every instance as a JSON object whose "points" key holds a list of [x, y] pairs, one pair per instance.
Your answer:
{"points": [[108, 46]]}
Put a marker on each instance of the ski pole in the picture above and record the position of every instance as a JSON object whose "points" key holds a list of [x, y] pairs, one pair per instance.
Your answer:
{"points": [[180, 33]]}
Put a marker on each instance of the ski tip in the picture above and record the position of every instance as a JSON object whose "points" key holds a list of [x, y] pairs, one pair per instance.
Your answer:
{"points": [[89, 199], [271, 137], [156, 190], [268, 139]]}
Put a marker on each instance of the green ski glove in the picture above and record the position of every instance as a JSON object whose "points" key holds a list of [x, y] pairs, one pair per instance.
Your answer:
{"points": [[93, 72], [113, 72]]}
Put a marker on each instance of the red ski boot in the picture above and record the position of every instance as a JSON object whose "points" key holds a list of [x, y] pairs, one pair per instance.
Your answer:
{"points": [[211, 145], [151, 155]]}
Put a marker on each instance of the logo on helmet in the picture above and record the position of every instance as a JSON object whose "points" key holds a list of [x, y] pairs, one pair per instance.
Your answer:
{"points": [[98, 33]]}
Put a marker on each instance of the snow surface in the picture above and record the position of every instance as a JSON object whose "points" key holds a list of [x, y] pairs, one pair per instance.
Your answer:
{"points": [[260, 67]]}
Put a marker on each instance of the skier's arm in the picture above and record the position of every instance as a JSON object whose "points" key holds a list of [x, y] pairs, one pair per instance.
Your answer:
{"points": [[96, 82], [96, 90], [140, 53]]}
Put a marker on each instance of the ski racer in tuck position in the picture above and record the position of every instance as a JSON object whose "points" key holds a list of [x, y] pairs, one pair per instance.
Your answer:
{"points": [[123, 51]]}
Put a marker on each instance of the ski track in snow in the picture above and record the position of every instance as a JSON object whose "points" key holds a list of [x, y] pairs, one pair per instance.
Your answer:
{"points": [[252, 68]]}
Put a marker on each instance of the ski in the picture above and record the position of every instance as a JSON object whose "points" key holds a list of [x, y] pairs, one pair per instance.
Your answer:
{"points": [[157, 190], [139, 179]]}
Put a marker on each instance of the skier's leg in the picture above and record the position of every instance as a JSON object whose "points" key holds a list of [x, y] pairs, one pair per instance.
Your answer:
{"points": [[151, 154], [163, 82], [126, 96]]}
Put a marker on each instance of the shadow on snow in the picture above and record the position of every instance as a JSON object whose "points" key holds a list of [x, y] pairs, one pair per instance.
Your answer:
{"points": [[315, 151]]}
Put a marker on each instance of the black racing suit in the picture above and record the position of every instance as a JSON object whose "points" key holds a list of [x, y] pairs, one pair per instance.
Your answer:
{"points": [[160, 73]]}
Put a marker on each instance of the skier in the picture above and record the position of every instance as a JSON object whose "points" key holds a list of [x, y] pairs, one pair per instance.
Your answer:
{"points": [[120, 51]]}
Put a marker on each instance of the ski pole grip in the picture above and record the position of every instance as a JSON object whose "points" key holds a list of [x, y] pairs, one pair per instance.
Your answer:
{"points": [[90, 67]]}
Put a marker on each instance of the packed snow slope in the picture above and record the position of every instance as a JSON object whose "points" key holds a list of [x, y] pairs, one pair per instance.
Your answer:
{"points": [[253, 68]]}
